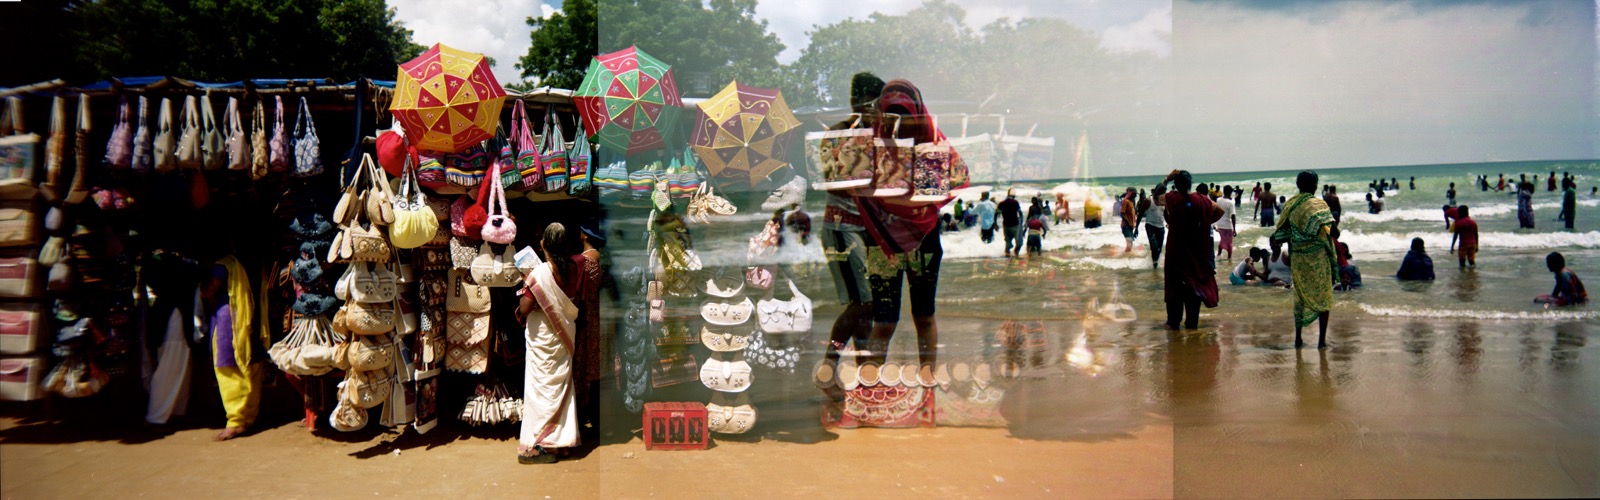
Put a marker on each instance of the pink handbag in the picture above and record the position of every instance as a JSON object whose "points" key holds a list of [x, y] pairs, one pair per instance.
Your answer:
{"points": [[119, 150], [279, 144], [498, 227]]}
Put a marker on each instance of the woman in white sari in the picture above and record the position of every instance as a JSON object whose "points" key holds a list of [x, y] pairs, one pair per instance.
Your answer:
{"points": [[549, 411]]}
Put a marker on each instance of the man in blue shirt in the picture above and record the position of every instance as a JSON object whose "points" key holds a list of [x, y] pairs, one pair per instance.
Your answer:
{"points": [[985, 209]]}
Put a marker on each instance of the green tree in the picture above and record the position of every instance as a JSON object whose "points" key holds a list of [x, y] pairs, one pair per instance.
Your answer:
{"points": [[708, 44], [929, 45], [562, 45], [221, 40]]}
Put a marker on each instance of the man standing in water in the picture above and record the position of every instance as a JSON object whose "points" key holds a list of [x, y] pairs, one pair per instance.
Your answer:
{"points": [[1569, 203], [1130, 219], [1011, 223], [1332, 199], [1191, 277], [1255, 195], [1269, 206], [1155, 222], [985, 209], [1307, 228]]}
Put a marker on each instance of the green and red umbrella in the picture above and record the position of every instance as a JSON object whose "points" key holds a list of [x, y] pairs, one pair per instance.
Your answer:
{"points": [[743, 132], [629, 100]]}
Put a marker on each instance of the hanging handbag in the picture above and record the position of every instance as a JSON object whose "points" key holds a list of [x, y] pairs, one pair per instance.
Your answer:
{"points": [[467, 215], [464, 169], [370, 318], [119, 150], [18, 276], [307, 148], [78, 189], [351, 201], [189, 138], [368, 389], [76, 377], [213, 150], [580, 160], [55, 148], [683, 180], [930, 177], [370, 352], [726, 375], [308, 350], [18, 223], [785, 316], [498, 227], [553, 153], [893, 159], [1030, 156], [462, 252], [496, 270], [281, 156], [524, 150], [415, 223], [726, 415], [164, 149], [464, 295], [369, 284], [237, 144], [841, 159], [467, 341], [379, 198], [977, 152], [611, 180], [260, 150], [144, 154]]}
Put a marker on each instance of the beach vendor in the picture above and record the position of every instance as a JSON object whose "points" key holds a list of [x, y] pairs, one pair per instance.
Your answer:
{"points": [[845, 243], [1306, 226], [226, 301]]}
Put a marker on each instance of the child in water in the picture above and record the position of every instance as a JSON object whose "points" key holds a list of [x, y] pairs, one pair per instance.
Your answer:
{"points": [[1569, 289], [1246, 273]]}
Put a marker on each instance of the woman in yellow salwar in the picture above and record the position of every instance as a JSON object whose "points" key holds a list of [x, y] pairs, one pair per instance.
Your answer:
{"points": [[226, 300], [1306, 225]]}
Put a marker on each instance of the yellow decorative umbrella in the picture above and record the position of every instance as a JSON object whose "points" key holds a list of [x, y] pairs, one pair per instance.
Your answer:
{"points": [[447, 99], [743, 131]]}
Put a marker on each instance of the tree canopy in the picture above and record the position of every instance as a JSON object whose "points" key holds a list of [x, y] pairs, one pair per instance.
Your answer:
{"points": [[221, 40], [708, 44], [562, 45]]}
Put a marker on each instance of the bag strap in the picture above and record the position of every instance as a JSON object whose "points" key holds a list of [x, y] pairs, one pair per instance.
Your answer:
{"points": [[375, 176], [83, 116], [233, 116], [552, 130], [165, 120], [191, 117], [518, 124], [498, 191], [305, 114], [260, 116], [58, 115], [12, 117], [278, 119], [122, 114], [208, 116]]}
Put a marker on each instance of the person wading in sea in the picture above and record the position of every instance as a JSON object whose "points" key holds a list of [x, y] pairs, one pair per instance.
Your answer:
{"points": [[1191, 277], [1307, 227]]}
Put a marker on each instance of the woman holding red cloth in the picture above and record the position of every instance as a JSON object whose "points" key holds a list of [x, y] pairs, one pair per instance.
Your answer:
{"points": [[1191, 277]]}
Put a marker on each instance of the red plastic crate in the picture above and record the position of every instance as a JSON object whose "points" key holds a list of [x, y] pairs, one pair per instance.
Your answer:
{"points": [[675, 426]]}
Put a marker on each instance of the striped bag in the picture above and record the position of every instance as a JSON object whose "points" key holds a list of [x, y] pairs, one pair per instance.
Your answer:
{"points": [[611, 179], [466, 168]]}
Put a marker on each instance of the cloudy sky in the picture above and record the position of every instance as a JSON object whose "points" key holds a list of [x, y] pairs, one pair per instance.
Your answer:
{"points": [[1263, 84]]}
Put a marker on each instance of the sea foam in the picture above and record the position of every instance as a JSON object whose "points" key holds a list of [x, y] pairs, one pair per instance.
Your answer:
{"points": [[1543, 315]]}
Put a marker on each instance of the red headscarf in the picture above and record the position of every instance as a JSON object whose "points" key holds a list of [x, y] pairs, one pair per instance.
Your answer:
{"points": [[897, 224]]}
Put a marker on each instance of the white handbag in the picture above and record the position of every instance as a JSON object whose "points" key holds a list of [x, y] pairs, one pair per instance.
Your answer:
{"points": [[373, 284], [732, 375], [786, 316], [496, 271], [730, 415], [726, 314]]}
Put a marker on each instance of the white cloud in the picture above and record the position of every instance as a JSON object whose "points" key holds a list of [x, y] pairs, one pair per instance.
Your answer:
{"points": [[1151, 33], [495, 28], [792, 20]]}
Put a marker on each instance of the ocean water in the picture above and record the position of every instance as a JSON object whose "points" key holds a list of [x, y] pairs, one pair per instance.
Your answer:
{"points": [[1510, 268]]}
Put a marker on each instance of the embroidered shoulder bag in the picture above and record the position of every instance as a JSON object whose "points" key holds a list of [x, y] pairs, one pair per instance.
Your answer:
{"points": [[119, 150], [189, 139], [238, 145], [280, 156], [213, 151], [143, 143], [307, 148], [165, 147]]}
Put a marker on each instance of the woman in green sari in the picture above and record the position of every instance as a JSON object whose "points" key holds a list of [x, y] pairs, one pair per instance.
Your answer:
{"points": [[1306, 226]]}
